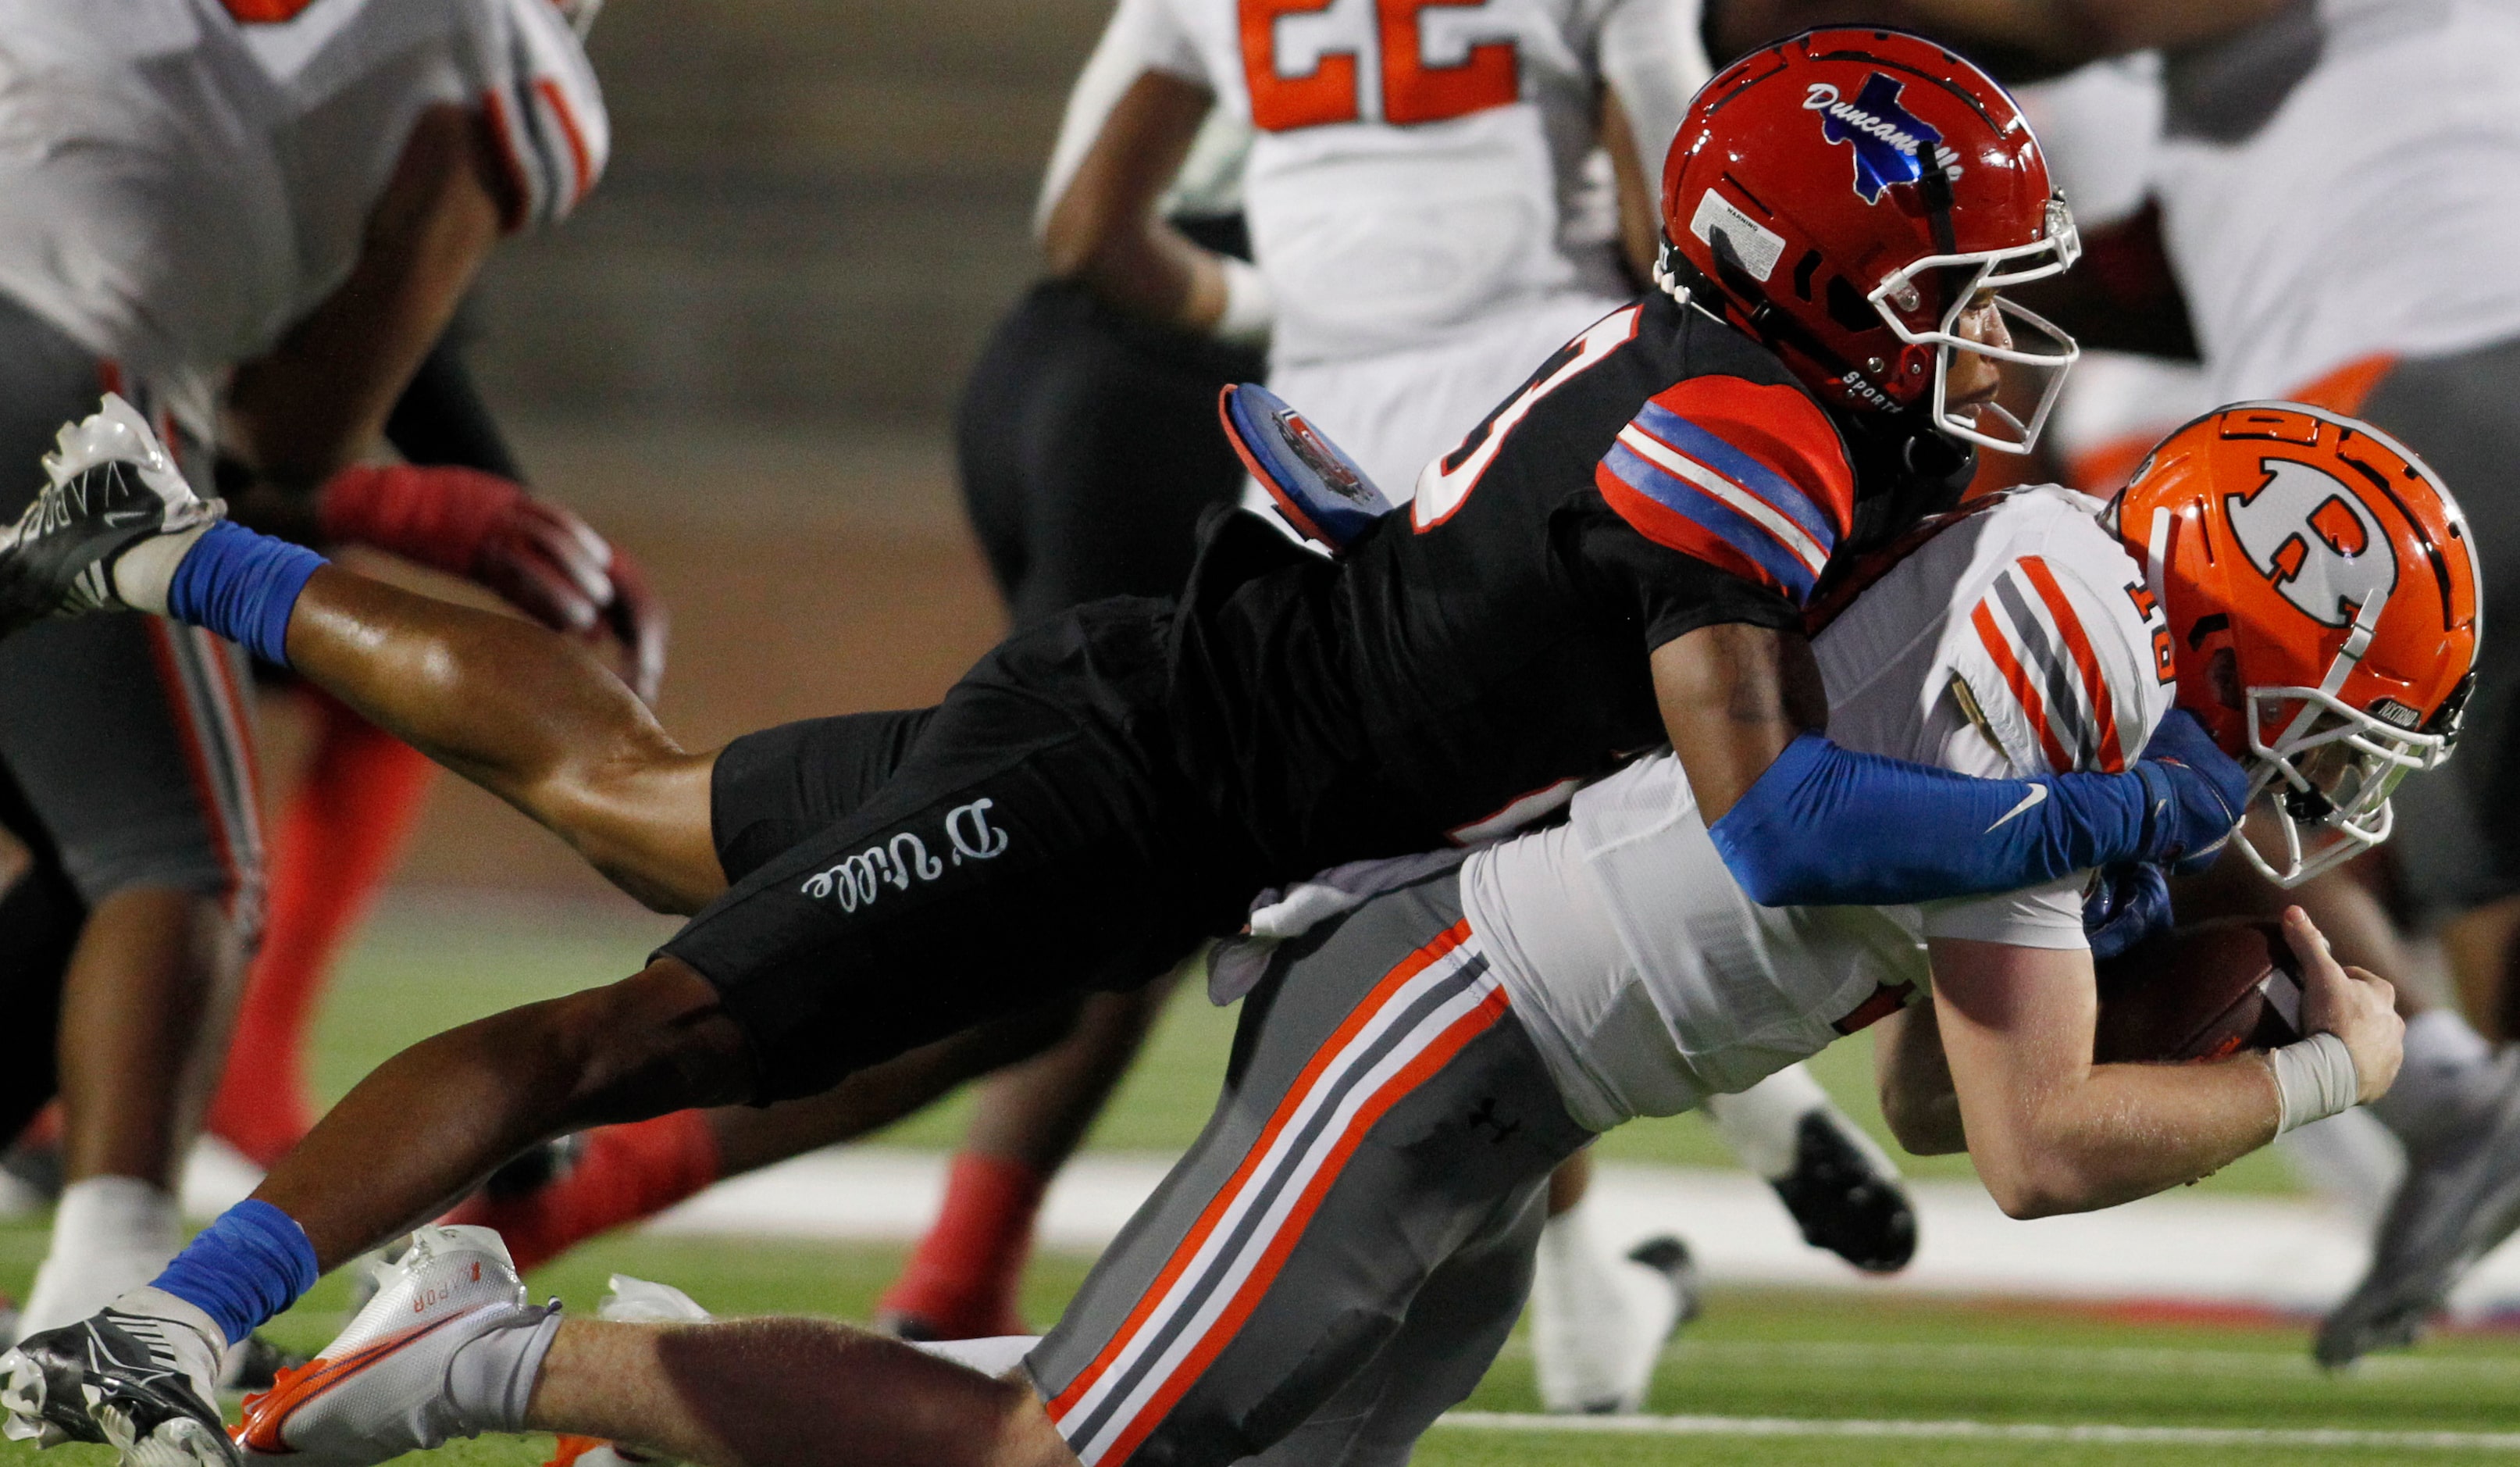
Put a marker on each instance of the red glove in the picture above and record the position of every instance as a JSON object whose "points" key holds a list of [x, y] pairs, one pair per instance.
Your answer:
{"points": [[539, 557]]}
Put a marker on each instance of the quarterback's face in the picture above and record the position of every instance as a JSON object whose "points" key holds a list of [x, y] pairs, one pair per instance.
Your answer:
{"points": [[1972, 378]]}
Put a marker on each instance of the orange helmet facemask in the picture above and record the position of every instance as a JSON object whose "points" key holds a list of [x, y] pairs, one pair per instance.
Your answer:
{"points": [[2322, 610]]}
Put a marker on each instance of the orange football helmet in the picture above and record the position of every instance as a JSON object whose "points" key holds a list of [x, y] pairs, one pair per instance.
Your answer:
{"points": [[2323, 611]]}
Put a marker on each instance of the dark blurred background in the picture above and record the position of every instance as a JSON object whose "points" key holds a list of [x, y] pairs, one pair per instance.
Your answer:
{"points": [[814, 209], [741, 355]]}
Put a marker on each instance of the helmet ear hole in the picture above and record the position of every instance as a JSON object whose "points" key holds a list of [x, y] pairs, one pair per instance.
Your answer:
{"points": [[2222, 675], [1848, 309]]}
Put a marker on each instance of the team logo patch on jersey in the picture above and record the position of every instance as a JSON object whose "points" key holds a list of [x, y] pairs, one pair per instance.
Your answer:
{"points": [[1890, 142], [2307, 535]]}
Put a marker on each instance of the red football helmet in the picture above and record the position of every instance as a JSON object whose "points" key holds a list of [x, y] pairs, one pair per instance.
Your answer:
{"points": [[2322, 613], [1844, 195]]}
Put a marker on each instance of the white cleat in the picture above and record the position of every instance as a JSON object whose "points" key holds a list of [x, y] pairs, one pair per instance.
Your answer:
{"points": [[1598, 1323], [436, 1353]]}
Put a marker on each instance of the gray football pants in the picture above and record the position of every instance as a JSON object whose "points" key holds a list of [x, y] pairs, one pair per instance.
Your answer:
{"points": [[2458, 840], [1341, 1254], [125, 735]]}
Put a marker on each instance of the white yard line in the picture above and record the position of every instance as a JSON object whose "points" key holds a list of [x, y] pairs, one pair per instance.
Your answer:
{"points": [[2101, 1433]]}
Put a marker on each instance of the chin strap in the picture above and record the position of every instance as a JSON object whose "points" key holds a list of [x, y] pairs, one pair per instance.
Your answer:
{"points": [[1680, 278]]}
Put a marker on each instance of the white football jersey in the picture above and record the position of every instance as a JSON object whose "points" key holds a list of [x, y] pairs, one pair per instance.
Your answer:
{"points": [[2018, 641], [186, 179], [2372, 213], [1416, 168]]}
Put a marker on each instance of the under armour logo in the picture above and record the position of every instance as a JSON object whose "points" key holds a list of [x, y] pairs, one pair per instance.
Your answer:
{"points": [[2312, 538], [1889, 141], [1485, 1117]]}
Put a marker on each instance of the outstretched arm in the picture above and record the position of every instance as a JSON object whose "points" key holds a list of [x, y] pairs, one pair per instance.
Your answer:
{"points": [[1801, 821]]}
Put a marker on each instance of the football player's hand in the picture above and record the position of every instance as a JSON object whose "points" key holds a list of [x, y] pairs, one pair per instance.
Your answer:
{"points": [[2195, 794], [2129, 903], [537, 556], [2354, 1004]]}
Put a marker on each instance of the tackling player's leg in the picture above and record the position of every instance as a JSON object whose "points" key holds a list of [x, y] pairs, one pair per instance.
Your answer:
{"points": [[532, 717]]}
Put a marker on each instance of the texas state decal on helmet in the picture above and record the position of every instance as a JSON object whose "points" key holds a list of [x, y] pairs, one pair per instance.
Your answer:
{"points": [[1845, 196], [1889, 142], [2323, 614]]}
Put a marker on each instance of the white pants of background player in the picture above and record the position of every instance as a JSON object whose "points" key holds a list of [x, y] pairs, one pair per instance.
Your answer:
{"points": [[1392, 412]]}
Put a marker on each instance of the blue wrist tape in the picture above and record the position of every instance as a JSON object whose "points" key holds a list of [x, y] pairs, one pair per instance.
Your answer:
{"points": [[242, 587], [248, 1265], [1827, 826]]}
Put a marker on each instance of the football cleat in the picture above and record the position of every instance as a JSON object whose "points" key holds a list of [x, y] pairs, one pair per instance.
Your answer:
{"points": [[2459, 1198], [1845, 1195], [110, 485], [1599, 1324], [418, 1366], [140, 1374]]}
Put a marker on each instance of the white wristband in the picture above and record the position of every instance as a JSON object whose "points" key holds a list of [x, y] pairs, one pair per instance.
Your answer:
{"points": [[1248, 307], [2314, 1080]]}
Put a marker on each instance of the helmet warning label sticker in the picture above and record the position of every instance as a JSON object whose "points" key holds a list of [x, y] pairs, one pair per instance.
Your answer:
{"points": [[1736, 237]]}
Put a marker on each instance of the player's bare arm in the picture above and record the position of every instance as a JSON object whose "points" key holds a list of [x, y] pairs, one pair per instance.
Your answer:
{"points": [[1640, 230], [2051, 1132], [1914, 1082], [320, 400], [1733, 696], [1104, 229]]}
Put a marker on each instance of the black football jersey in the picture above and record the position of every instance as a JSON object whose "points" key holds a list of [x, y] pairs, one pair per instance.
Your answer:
{"points": [[1471, 659]]}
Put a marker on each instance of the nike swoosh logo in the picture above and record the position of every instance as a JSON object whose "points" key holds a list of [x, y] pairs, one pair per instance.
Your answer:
{"points": [[2036, 793], [117, 519]]}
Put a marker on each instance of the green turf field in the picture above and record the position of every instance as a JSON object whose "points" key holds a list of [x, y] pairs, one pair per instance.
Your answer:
{"points": [[1970, 1383]]}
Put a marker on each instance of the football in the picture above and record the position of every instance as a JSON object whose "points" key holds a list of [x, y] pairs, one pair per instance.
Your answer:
{"points": [[2199, 993]]}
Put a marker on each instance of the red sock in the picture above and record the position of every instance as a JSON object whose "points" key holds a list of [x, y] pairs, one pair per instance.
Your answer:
{"points": [[627, 1172], [962, 1282], [336, 842]]}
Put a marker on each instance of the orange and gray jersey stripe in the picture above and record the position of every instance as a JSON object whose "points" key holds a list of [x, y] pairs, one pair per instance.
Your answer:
{"points": [[2032, 631]]}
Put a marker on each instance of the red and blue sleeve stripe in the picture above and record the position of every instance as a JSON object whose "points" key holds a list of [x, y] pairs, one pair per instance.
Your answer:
{"points": [[1685, 486]]}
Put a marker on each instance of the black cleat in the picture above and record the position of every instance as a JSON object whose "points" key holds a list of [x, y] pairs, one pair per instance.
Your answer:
{"points": [[111, 486], [1845, 1198], [254, 1364], [138, 1381], [1670, 1258], [535, 1168]]}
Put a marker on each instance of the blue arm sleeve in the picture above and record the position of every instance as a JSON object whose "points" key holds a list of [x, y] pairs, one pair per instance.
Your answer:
{"points": [[1825, 826]]}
